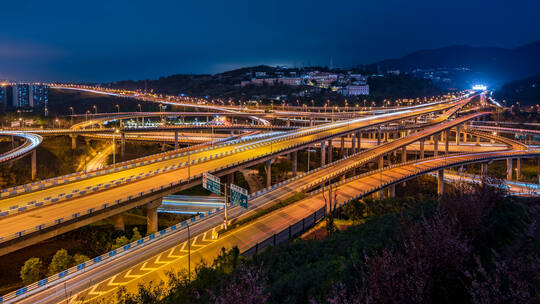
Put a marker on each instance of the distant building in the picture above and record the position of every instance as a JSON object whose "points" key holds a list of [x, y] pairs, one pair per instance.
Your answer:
{"points": [[22, 96], [40, 95], [291, 81], [394, 72], [260, 74], [3, 97], [354, 90], [30, 96]]}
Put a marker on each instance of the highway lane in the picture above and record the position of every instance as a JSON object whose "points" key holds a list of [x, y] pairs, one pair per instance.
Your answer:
{"points": [[513, 187], [28, 220], [31, 142], [100, 159]]}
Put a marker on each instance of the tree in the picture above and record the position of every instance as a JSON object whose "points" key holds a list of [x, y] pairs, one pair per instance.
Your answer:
{"points": [[354, 210], [80, 258], [60, 261], [120, 241], [31, 270], [136, 235]]}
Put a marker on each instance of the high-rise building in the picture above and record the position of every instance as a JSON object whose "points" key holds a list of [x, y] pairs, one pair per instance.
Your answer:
{"points": [[3, 97], [40, 95], [22, 96], [30, 96]]}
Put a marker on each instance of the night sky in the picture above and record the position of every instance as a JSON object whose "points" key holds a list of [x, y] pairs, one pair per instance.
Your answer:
{"points": [[134, 39]]}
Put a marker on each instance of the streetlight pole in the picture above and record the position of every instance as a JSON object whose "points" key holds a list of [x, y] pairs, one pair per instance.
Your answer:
{"points": [[114, 147], [189, 251]]}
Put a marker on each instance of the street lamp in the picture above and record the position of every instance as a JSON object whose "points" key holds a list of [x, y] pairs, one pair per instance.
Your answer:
{"points": [[95, 108], [118, 108]]}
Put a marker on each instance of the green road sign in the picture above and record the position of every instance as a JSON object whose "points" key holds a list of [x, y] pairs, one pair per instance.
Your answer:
{"points": [[211, 183], [239, 196]]}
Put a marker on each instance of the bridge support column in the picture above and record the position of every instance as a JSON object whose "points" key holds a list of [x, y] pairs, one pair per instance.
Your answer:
{"points": [[478, 140], [404, 154], [122, 144], [436, 144], [176, 140], [464, 137], [329, 151], [440, 182], [73, 142], [379, 136], [152, 216], [358, 140], [33, 164], [118, 222], [518, 168], [353, 143], [421, 148], [323, 154], [484, 169], [295, 162], [446, 141], [458, 134], [342, 146], [269, 173], [509, 169], [381, 161], [230, 178], [392, 191], [538, 170]]}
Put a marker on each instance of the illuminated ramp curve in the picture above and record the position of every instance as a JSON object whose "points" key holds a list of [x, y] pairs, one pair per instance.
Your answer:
{"points": [[31, 142]]}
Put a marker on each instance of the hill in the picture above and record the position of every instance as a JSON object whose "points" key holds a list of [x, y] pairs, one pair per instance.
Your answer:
{"points": [[526, 91], [466, 64]]}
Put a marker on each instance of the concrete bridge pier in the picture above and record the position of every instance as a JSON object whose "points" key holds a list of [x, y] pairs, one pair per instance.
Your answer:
{"points": [[176, 140], [509, 169], [440, 182], [118, 222], [458, 134], [269, 173], [73, 141], [330, 151], [392, 190], [379, 136], [353, 143], [358, 140], [484, 169], [538, 170], [518, 168], [33, 164], [295, 161], [421, 149], [446, 141], [323, 154], [122, 144], [230, 178], [342, 146], [152, 216], [436, 144], [404, 154]]}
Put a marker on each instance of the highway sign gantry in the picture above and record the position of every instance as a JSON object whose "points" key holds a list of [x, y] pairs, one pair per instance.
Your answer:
{"points": [[212, 183], [239, 196]]}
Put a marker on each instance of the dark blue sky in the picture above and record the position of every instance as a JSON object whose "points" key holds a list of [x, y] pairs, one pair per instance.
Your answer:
{"points": [[120, 39]]}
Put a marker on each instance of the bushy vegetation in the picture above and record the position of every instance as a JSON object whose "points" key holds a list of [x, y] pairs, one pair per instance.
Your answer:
{"points": [[474, 245]]}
